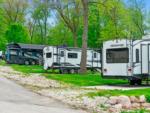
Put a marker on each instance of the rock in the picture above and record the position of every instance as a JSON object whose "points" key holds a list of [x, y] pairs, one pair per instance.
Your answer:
{"points": [[107, 105], [114, 110], [118, 107], [135, 105], [87, 101], [148, 109], [112, 100], [124, 101], [101, 100], [142, 99], [133, 99], [145, 105]]}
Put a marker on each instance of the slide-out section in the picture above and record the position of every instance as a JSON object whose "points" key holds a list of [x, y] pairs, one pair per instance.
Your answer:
{"points": [[145, 64]]}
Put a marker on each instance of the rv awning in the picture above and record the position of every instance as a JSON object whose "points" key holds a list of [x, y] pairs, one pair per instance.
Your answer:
{"points": [[31, 46], [26, 46]]}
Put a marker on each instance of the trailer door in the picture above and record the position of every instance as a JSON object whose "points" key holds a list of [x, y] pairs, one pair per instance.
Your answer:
{"points": [[144, 59]]}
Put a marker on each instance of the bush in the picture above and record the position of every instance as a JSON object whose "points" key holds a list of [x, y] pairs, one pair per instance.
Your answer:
{"points": [[148, 98]]}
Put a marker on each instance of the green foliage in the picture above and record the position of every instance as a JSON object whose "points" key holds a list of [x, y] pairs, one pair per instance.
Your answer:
{"points": [[60, 35], [148, 98], [28, 69], [94, 26], [2, 63], [107, 19], [17, 33], [136, 111], [83, 80], [113, 21]]}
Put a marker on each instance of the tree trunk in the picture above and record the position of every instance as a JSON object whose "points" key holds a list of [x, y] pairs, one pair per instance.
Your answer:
{"points": [[45, 30], [83, 68], [41, 29], [75, 40]]}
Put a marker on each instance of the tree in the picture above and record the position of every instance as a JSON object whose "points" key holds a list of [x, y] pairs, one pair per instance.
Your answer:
{"points": [[138, 16], [40, 15], [94, 26], [112, 21], [69, 12], [3, 40], [17, 33], [31, 29], [60, 35], [83, 64], [14, 10]]}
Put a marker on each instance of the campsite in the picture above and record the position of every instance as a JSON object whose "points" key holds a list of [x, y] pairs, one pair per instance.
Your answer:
{"points": [[74, 56]]}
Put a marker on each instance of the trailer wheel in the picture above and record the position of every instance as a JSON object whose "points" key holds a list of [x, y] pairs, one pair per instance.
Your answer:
{"points": [[77, 71], [72, 71], [26, 62], [139, 82], [63, 71], [132, 82], [33, 62]]}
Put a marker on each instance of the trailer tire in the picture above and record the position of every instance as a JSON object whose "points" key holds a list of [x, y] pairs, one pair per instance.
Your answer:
{"points": [[33, 62], [27, 62], [139, 82], [72, 71], [63, 71], [132, 82], [77, 71]]}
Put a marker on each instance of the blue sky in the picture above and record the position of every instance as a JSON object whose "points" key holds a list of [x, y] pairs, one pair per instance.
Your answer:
{"points": [[147, 4]]}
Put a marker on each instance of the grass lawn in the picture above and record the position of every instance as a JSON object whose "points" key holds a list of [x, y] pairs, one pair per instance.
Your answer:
{"points": [[28, 68], [84, 80], [136, 111], [74, 79], [2, 62]]}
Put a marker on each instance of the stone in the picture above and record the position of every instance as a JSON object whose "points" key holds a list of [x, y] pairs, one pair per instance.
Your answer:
{"points": [[113, 100], [124, 101], [118, 107], [133, 99], [101, 100], [142, 99], [148, 109], [135, 105], [145, 105], [113, 110]]}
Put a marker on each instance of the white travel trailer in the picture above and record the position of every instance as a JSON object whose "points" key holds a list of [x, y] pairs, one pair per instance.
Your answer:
{"points": [[67, 60], [127, 59], [1, 54]]}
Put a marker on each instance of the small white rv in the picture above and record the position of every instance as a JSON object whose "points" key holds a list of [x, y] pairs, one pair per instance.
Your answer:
{"points": [[67, 60], [127, 59]]}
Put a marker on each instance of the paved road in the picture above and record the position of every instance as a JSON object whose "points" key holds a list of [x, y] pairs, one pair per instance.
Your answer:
{"points": [[16, 99]]}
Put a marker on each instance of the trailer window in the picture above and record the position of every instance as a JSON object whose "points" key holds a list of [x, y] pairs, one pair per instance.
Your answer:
{"points": [[13, 52], [48, 55], [137, 56], [95, 55], [62, 53], [72, 55], [119, 55]]}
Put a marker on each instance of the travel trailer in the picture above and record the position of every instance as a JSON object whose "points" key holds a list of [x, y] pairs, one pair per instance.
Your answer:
{"points": [[1, 54], [67, 60], [127, 59]]}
